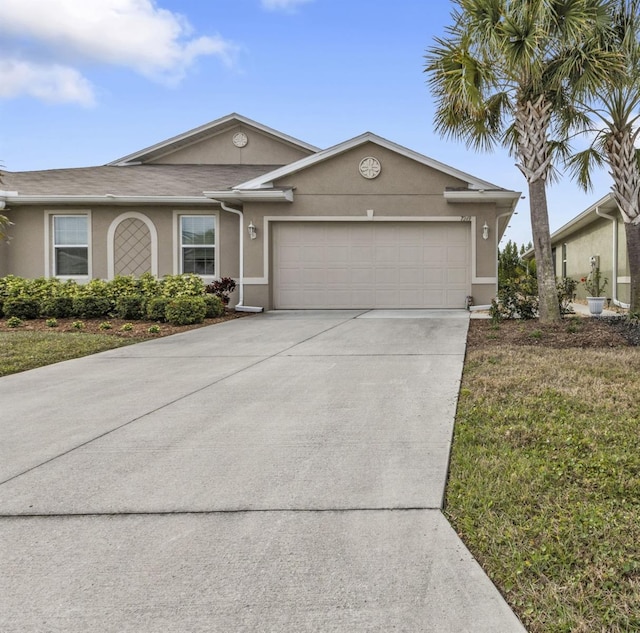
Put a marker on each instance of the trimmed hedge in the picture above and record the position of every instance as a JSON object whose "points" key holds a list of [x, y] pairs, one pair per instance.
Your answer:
{"points": [[131, 307], [21, 307], [91, 307], [57, 307], [214, 306], [186, 310], [126, 297], [156, 308]]}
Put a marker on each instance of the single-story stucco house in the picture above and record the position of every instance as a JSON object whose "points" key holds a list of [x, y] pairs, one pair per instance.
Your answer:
{"points": [[364, 224], [598, 232]]}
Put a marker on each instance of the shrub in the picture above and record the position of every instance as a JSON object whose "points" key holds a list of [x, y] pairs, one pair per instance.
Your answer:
{"points": [[51, 322], [222, 288], [154, 329], [131, 307], [91, 306], [77, 325], [21, 307], [156, 308], [95, 288], [149, 285], [566, 292], [182, 286], [126, 327], [517, 298], [58, 307], [1, 307], [105, 325], [12, 286], [186, 310], [14, 321], [214, 306]]}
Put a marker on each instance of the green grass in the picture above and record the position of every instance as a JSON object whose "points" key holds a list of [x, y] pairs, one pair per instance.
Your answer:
{"points": [[545, 482], [20, 351]]}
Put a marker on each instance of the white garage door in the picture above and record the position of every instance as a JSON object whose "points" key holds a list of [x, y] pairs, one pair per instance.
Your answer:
{"points": [[371, 265]]}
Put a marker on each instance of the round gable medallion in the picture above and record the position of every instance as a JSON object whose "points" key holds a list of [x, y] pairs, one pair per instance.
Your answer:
{"points": [[240, 139], [370, 167]]}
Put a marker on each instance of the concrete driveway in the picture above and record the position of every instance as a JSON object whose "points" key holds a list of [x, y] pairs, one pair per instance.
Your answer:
{"points": [[282, 472]]}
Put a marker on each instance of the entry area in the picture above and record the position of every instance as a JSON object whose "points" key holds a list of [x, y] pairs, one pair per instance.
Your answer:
{"points": [[371, 264]]}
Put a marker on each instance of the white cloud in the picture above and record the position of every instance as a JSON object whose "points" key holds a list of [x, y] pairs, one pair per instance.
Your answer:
{"points": [[134, 34], [53, 83], [283, 5]]}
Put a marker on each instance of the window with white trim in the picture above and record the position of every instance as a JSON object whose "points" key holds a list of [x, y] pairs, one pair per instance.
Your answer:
{"points": [[71, 245], [198, 244]]}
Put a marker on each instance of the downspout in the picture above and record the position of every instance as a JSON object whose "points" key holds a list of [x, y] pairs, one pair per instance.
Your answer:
{"points": [[614, 275], [240, 307]]}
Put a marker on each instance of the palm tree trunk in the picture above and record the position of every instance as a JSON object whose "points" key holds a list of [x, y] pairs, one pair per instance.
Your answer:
{"points": [[549, 308], [532, 123], [633, 251], [621, 156]]}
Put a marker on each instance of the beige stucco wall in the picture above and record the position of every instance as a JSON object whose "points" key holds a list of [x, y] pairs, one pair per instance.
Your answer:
{"points": [[25, 255], [595, 239], [261, 149], [335, 188]]}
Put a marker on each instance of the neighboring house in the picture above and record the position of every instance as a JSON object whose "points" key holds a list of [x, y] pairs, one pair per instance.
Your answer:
{"points": [[364, 224], [597, 232]]}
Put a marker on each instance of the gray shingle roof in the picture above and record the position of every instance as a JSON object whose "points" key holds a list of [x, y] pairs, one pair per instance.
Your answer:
{"points": [[137, 180]]}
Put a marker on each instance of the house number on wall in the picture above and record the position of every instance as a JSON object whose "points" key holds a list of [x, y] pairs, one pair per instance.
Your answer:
{"points": [[370, 167]]}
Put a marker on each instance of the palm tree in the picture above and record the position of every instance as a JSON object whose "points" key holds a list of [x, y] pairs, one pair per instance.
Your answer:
{"points": [[614, 111], [506, 74]]}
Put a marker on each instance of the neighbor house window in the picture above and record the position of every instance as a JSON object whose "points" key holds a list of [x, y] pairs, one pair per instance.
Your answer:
{"points": [[198, 244], [564, 260], [71, 245]]}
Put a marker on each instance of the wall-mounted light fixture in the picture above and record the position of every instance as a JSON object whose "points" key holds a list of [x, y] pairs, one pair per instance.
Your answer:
{"points": [[253, 232], [485, 231]]}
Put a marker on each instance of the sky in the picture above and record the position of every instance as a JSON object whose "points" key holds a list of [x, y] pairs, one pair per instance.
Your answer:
{"points": [[83, 82]]}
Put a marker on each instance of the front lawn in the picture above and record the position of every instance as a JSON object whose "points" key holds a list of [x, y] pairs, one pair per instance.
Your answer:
{"points": [[544, 485], [35, 343]]}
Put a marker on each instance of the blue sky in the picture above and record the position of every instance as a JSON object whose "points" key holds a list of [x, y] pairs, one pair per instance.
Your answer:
{"points": [[87, 81]]}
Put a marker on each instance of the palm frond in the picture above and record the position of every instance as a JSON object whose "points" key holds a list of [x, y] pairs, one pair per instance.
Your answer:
{"points": [[581, 166]]}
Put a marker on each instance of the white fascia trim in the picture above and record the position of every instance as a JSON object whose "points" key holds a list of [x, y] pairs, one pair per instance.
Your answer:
{"points": [[108, 199], [367, 137], [481, 195], [111, 233], [479, 281], [268, 219], [211, 126], [253, 195], [606, 203], [256, 281]]}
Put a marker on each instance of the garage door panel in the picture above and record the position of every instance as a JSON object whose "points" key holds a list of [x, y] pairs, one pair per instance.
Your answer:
{"points": [[456, 275], [371, 265], [361, 276], [456, 254]]}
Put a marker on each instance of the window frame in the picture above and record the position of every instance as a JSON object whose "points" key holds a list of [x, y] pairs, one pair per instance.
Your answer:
{"points": [[51, 247], [178, 267]]}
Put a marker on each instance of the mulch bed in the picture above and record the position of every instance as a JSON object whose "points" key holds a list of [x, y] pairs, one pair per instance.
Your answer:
{"points": [[139, 329], [606, 332]]}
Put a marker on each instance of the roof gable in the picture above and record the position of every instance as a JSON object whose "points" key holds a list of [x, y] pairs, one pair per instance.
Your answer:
{"points": [[202, 145], [266, 180]]}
